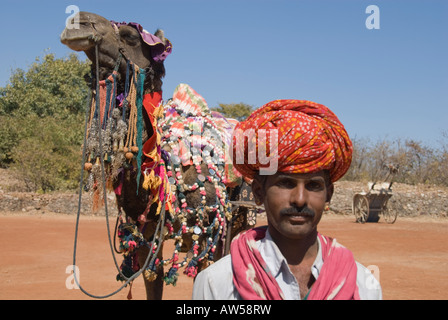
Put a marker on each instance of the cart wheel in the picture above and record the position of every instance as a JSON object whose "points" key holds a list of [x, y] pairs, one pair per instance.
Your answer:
{"points": [[360, 208], [389, 217]]}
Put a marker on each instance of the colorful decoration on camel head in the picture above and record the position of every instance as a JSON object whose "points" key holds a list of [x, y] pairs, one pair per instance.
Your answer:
{"points": [[114, 130]]}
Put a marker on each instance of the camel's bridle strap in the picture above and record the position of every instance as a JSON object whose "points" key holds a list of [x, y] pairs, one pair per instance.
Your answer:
{"points": [[159, 229]]}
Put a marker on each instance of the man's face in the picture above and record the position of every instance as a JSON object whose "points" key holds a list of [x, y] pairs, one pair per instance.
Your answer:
{"points": [[294, 202]]}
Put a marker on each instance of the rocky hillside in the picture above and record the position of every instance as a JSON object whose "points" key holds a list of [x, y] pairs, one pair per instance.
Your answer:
{"points": [[407, 200], [14, 199]]}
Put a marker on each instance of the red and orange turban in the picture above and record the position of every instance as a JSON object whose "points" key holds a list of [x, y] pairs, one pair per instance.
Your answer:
{"points": [[310, 138]]}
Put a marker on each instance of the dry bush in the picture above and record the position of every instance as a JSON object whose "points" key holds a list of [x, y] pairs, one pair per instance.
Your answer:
{"points": [[417, 163]]}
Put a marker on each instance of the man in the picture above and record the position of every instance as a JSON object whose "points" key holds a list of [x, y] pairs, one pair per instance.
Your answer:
{"points": [[290, 259]]}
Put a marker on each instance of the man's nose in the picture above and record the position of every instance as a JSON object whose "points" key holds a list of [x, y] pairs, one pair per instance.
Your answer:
{"points": [[298, 196]]}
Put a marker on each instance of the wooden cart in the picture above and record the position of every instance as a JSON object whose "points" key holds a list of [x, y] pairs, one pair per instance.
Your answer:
{"points": [[244, 211], [367, 206]]}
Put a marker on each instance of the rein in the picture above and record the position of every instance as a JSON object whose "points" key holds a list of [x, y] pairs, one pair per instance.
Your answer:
{"points": [[101, 113]]}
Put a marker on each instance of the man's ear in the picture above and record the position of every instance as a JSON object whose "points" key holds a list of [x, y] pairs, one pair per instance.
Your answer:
{"points": [[258, 191], [330, 190]]}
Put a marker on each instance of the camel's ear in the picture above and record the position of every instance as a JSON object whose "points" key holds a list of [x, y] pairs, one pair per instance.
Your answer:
{"points": [[161, 35]]}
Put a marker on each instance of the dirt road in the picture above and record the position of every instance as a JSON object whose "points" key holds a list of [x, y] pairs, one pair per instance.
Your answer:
{"points": [[410, 255]]}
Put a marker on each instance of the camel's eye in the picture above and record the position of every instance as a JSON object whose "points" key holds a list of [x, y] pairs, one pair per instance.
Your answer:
{"points": [[130, 36]]}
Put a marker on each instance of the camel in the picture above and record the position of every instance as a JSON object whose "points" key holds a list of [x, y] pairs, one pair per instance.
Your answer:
{"points": [[161, 195]]}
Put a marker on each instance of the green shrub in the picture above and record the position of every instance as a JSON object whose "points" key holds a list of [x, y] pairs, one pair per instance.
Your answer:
{"points": [[41, 122]]}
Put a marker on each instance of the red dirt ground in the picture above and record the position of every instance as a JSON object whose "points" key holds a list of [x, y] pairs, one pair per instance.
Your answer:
{"points": [[411, 256]]}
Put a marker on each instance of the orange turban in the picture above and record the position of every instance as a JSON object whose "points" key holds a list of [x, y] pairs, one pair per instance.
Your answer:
{"points": [[310, 138]]}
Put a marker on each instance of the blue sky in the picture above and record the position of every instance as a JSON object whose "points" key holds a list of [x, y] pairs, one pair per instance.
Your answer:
{"points": [[389, 83]]}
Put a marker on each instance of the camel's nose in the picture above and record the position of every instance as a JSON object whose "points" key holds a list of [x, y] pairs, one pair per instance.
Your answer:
{"points": [[64, 37]]}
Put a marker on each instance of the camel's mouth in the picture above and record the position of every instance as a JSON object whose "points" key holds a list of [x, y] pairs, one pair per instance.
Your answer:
{"points": [[77, 40]]}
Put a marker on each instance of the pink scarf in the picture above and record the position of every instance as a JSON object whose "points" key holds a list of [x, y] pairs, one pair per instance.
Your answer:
{"points": [[253, 280]]}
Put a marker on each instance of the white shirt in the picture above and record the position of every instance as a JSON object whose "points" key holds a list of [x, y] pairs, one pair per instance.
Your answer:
{"points": [[216, 282]]}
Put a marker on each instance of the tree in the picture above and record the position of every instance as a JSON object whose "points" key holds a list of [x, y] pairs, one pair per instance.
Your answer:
{"points": [[238, 111], [41, 122], [49, 157], [360, 160], [50, 87]]}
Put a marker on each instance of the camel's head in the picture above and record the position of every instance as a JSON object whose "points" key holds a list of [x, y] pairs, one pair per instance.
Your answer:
{"points": [[146, 50]]}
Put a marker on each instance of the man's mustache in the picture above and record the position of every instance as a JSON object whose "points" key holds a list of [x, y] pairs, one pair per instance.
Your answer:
{"points": [[303, 211]]}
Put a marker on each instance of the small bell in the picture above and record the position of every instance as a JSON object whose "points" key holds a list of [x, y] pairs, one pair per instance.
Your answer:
{"points": [[129, 155]]}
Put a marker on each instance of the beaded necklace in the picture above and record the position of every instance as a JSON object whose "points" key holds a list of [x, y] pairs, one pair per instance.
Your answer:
{"points": [[193, 140]]}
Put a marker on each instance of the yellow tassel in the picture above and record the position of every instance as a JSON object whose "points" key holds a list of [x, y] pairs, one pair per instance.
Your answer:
{"points": [[151, 182], [158, 112], [155, 199], [155, 183], [170, 207], [159, 207], [150, 275], [145, 184], [153, 155]]}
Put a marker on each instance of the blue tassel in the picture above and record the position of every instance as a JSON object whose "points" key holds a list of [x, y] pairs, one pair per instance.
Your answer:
{"points": [[139, 102], [171, 276]]}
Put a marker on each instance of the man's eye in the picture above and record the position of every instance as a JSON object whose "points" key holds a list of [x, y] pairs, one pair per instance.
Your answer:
{"points": [[315, 185], [285, 183]]}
